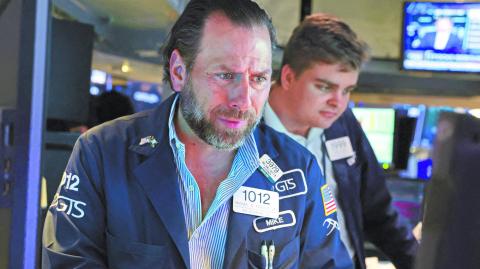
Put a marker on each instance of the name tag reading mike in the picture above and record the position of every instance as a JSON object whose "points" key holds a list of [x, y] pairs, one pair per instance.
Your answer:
{"points": [[257, 202]]}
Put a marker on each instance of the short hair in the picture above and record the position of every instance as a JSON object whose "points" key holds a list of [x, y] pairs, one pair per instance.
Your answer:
{"points": [[324, 38], [186, 33]]}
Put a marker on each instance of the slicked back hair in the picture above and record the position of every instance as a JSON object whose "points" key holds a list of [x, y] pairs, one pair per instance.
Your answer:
{"points": [[186, 33]]}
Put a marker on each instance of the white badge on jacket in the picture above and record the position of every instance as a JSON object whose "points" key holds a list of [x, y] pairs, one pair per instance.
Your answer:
{"points": [[257, 202], [339, 148], [269, 168]]}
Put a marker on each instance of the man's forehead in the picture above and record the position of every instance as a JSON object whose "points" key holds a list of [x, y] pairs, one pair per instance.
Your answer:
{"points": [[217, 17], [338, 65], [332, 73], [218, 21], [221, 37]]}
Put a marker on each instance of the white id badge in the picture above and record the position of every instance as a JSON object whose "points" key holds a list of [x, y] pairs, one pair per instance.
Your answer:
{"points": [[339, 148], [269, 168], [257, 202]]}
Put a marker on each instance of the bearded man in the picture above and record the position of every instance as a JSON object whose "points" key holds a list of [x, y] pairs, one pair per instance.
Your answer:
{"points": [[197, 182]]}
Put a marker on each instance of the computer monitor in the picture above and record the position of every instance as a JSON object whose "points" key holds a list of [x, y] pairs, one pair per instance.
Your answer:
{"points": [[441, 36], [379, 127], [406, 121], [143, 95]]}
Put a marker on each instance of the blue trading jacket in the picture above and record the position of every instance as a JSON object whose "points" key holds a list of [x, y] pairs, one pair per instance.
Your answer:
{"points": [[367, 203], [119, 206]]}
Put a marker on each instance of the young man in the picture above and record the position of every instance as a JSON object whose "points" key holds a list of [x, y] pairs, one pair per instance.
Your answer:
{"points": [[320, 68], [195, 183]]}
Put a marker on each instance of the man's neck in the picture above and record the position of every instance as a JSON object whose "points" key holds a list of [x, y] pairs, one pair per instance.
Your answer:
{"points": [[208, 165], [281, 104]]}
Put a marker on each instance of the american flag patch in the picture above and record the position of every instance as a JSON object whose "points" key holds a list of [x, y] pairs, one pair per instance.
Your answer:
{"points": [[328, 200]]}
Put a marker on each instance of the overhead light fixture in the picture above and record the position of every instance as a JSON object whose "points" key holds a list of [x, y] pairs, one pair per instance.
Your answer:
{"points": [[147, 53], [125, 68], [475, 112]]}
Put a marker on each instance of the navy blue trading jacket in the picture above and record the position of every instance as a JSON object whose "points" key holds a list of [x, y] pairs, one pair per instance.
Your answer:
{"points": [[119, 206], [366, 201]]}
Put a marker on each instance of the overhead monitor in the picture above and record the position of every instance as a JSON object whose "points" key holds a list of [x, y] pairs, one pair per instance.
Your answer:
{"points": [[440, 36]]}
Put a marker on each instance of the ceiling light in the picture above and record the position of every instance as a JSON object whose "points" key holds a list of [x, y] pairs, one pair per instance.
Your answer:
{"points": [[125, 68], [475, 112]]}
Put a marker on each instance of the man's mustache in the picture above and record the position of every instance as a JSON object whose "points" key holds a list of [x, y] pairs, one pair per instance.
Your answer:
{"points": [[235, 113]]}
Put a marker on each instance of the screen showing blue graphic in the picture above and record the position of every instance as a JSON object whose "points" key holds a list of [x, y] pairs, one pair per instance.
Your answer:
{"points": [[144, 95], [441, 36]]}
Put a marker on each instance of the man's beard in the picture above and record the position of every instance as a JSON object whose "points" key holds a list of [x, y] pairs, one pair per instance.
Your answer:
{"points": [[203, 127]]}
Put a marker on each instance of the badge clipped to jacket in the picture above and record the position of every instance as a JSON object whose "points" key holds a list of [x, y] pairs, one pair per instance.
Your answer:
{"points": [[260, 202], [340, 148]]}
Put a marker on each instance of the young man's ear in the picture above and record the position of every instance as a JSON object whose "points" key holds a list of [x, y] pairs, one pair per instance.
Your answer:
{"points": [[287, 75], [178, 71]]}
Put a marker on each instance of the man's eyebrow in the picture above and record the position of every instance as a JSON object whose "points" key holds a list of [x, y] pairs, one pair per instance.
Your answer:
{"points": [[330, 83], [221, 66], [227, 68], [264, 71]]}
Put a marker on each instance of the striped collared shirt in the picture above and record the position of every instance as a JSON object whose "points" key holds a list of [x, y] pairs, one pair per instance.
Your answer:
{"points": [[207, 237]]}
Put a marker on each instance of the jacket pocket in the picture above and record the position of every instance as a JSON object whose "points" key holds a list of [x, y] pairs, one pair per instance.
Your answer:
{"points": [[286, 256], [126, 254], [255, 260]]}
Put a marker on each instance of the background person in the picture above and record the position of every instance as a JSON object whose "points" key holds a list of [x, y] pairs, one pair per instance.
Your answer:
{"points": [[111, 105], [308, 102], [443, 38]]}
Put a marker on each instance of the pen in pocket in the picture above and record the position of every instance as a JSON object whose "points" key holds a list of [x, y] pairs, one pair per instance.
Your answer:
{"points": [[271, 254], [264, 253]]}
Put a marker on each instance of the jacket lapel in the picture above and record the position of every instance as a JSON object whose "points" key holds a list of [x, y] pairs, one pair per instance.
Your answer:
{"points": [[342, 177], [158, 176], [340, 168]]}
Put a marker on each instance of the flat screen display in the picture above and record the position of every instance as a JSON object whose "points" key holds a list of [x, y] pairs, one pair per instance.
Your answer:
{"points": [[144, 95], [379, 126], [441, 36]]}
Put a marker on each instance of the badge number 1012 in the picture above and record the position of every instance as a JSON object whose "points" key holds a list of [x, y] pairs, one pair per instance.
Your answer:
{"points": [[257, 202]]}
